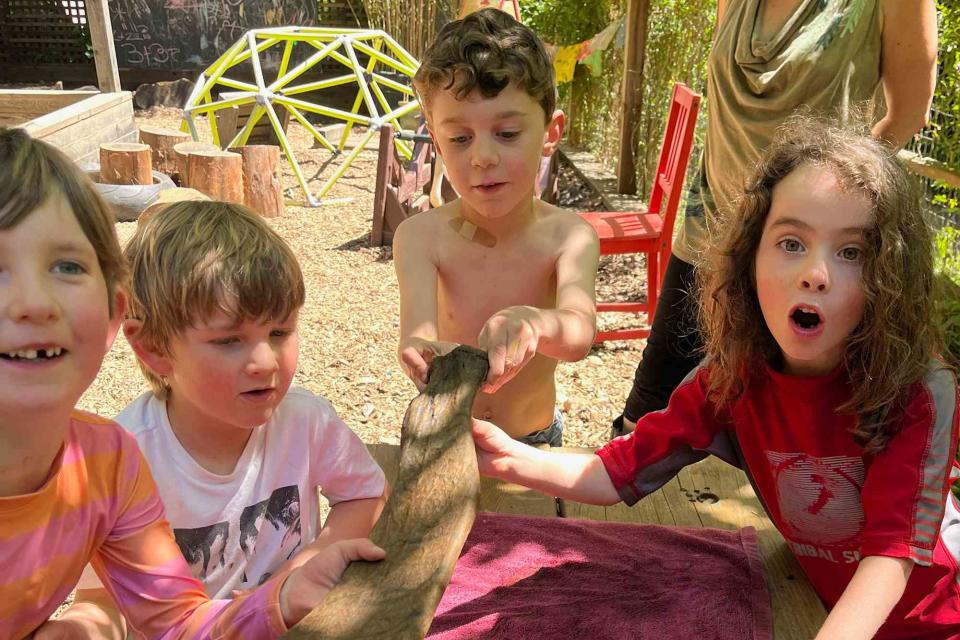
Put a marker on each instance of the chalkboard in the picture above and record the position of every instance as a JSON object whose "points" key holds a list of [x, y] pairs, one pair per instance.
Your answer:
{"points": [[191, 34]]}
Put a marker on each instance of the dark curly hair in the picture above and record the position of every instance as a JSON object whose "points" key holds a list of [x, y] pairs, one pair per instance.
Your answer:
{"points": [[487, 50], [891, 348]]}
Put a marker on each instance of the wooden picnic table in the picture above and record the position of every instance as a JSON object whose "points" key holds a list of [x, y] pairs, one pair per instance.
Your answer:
{"points": [[710, 493]]}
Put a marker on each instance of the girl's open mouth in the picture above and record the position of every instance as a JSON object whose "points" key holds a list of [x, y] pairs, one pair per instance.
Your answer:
{"points": [[807, 320]]}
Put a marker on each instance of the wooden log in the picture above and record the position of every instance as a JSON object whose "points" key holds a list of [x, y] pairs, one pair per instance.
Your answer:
{"points": [[183, 149], [262, 190], [425, 522], [125, 163], [217, 173], [161, 143], [166, 198]]}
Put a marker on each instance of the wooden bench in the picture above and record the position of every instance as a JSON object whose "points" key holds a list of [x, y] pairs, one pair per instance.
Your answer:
{"points": [[687, 501]]}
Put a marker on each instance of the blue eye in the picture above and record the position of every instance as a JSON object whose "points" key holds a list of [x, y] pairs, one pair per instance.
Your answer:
{"points": [[69, 268], [791, 245]]}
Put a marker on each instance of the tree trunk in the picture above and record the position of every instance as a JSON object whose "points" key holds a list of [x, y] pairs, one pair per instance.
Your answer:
{"points": [[162, 141], [219, 174], [125, 163], [262, 190], [426, 520], [183, 149]]}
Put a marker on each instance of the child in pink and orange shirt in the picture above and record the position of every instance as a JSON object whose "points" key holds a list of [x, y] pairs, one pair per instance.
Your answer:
{"points": [[74, 487]]}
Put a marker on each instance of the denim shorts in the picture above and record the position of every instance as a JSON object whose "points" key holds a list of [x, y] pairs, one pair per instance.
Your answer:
{"points": [[552, 435]]}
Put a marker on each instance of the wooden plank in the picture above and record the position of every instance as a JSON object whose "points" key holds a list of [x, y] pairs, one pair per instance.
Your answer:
{"points": [[23, 105], [80, 137], [425, 522], [601, 180], [930, 168], [633, 57], [104, 55], [82, 110]]}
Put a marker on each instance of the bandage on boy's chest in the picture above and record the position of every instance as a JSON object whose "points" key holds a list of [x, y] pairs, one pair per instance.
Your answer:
{"points": [[472, 233]]}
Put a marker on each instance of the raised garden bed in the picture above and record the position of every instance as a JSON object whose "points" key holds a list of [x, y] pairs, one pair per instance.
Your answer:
{"points": [[76, 122]]}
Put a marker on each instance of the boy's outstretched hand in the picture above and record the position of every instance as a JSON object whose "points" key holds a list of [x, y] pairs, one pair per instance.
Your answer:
{"points": [[416, 354], [309, 583], [510, 338]]}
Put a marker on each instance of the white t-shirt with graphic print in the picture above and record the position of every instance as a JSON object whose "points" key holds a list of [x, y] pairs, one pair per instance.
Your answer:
{"points": [[236, 529]]}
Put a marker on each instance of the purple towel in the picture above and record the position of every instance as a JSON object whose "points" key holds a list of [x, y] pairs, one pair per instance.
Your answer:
{"points": [[552, 578]]}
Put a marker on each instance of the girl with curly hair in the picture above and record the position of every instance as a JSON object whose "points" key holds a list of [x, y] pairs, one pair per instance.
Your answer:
{"points": [[820, 380]]}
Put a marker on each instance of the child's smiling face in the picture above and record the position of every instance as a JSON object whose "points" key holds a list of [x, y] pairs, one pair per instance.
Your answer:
{"points": [[55, 320], [808, 267], [492, 147]]}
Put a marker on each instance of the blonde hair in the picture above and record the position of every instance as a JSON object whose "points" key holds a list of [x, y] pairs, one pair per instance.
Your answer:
{"points": [[891, 348], [32, 172], [193, 259]]}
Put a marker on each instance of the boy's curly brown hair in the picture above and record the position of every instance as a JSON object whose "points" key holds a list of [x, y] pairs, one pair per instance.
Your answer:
{"points": [[891, 348], [486, 51]]}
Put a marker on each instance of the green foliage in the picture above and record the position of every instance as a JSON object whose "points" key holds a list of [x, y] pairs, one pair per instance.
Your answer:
{"points": [[944, 128], [946, 252], [679, 33], [564, 22], [412, 23], [590, 103]]}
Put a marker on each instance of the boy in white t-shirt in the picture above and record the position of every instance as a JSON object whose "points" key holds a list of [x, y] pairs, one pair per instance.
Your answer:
{"points": [[238, 455]]}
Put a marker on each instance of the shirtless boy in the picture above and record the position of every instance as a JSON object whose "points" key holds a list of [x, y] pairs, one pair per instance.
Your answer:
{"points": [[497, 268]]}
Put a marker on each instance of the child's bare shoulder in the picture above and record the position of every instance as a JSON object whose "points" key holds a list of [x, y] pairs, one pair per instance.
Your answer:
{"points": [[563, 223], [424, 227]]}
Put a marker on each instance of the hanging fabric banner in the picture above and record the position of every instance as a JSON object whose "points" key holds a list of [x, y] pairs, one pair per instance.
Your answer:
{"points": [[589, 52]]}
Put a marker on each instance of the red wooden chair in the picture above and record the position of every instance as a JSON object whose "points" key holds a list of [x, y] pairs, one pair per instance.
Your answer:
{"points": [[651, 231]]}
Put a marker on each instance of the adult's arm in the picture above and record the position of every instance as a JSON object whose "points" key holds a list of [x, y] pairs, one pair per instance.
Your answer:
{"points": [[908, 69]]}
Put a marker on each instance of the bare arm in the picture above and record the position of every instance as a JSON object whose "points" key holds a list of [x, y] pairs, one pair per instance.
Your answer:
{"points": [[346, 520], [908, 67], [578, 477], [417, 277], [874, 590], [514, 335]]}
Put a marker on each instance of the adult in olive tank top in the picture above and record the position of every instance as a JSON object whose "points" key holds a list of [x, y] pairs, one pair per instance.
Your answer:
{"points": [[771, 58]]}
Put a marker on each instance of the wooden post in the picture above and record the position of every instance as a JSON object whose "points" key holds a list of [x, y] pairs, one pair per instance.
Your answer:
{"points": [[104, 54], [425, 522], [262, 190], [634, 53], [162, 141], [384, 157], [180, 151], [125, 163], [217, 173]]}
